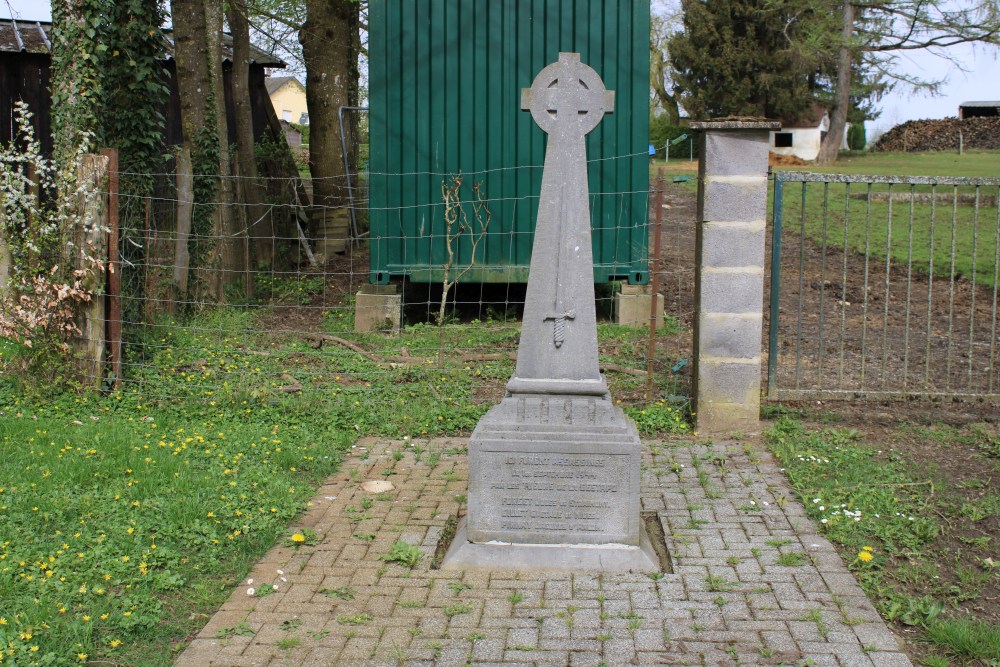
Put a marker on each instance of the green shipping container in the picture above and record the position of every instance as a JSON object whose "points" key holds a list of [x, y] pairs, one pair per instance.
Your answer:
{"points": [[445, 80]]}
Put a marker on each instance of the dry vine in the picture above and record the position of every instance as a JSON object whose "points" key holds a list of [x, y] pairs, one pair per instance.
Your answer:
{"points": [[457, 225]]}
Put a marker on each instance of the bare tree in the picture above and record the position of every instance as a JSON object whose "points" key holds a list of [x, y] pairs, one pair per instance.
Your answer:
{"points": [[458, 226], [873, 34], [662, 25]]}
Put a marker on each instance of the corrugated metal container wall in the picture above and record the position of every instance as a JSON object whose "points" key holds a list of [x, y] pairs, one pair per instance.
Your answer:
{"points": [[445, 86]]}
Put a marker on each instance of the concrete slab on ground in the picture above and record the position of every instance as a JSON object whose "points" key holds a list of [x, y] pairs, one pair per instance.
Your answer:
{"points": [[727, 514]]}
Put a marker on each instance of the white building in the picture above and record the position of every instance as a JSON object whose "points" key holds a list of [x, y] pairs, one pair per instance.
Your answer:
{"points": [[802, 136]]}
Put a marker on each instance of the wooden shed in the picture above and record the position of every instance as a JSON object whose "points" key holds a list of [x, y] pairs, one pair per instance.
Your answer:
{"points": [[978, 109], [25, 72]]}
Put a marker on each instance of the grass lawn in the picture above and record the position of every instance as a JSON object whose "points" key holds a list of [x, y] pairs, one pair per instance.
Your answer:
{"points": [[940, 236], [126, 519], [123, 522], [974, 164]]}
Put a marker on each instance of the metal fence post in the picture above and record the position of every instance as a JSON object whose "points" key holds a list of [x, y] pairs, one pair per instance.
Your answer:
{"points": [[774, 307]]}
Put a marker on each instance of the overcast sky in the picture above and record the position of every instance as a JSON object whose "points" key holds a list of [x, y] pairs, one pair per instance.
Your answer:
{"points": [[980, 82]]}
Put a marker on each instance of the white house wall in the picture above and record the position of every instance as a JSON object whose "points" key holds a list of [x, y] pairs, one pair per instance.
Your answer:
{"points": [[805, 142]]}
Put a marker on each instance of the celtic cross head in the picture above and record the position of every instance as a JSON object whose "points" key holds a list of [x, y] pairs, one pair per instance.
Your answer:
{"points": [[567, 97]]}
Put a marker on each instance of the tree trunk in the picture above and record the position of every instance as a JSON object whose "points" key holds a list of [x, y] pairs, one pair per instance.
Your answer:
{"points": [[198, 54], [77, 82], [193, 84], [231, 262], [5, 264], [842, 102], [192, 63], [330, 50], [260, 227]]}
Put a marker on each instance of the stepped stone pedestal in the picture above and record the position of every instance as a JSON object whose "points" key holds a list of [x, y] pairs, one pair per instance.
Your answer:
{"points": [[554, 469]]}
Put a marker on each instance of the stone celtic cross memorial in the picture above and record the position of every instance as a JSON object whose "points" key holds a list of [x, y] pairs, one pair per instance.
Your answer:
{"points": [[554, 469]]}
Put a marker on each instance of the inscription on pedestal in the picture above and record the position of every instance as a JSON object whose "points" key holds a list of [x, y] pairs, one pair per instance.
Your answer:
{"points": [[571, 497]]}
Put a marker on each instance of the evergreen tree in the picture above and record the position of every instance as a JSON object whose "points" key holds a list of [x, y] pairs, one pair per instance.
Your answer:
{"points": [[749, 58]]}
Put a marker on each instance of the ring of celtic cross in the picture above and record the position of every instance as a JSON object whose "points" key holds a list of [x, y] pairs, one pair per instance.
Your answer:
{"points": [[568, 96]]}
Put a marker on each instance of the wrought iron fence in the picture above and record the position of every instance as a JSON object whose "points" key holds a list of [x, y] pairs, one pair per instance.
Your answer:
{"points": [[883, 286]]}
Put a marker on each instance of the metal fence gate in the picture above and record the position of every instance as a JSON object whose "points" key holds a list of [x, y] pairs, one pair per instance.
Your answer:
{"points": [[883, 286]]}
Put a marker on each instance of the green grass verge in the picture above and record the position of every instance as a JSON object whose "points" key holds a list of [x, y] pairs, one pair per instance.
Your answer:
{"points": [[890, 527], [983, 164], [967, 639]]}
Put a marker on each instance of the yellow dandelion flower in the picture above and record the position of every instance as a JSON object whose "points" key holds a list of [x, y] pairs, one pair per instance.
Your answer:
{"points": [[298, 537], [865, 556]]}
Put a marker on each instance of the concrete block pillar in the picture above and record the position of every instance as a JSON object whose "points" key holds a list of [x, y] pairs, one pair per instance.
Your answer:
{"points": [[729, 277]]}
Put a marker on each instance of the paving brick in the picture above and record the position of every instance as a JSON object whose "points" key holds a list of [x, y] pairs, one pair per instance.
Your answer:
{"points": [[586, 619]]}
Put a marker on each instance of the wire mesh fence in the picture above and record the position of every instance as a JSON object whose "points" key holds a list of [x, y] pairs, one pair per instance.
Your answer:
{"points": [[884, 286], [286, 329]]}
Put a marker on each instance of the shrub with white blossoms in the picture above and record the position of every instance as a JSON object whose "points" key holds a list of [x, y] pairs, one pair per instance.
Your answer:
{"points": [[44, 268]]}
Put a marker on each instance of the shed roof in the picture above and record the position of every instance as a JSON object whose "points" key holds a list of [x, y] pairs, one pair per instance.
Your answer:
{"points": [[25, 36], [274, 83], [979, 104], [811, 117], [35, 37]]}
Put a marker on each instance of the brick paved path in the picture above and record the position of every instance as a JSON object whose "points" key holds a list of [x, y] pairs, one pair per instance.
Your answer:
{"points": [[728, 517]]}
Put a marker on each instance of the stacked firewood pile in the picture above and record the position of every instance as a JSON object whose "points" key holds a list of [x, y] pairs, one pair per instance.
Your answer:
{"points": [[942, 135]]}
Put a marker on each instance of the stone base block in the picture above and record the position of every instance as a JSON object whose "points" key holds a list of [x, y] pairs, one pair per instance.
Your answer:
{"points": [[727, 395], [727, 418], [378, 308], [465, 555], [554, 469], [631, 306]]}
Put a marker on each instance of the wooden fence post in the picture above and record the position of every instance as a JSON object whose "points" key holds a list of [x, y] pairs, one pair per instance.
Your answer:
{"points": [[91, 242]]}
